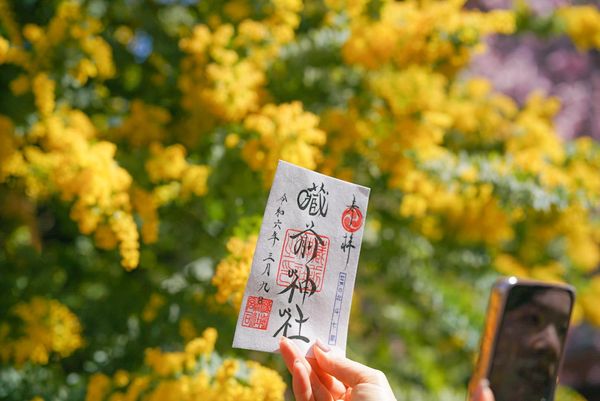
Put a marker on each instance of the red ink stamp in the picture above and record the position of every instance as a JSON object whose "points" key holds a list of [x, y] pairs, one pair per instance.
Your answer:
{"points": [[303, 249], [352, 218], [257, 313]]}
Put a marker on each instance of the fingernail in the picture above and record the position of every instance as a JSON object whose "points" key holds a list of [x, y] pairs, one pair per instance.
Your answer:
{"points": [[282, 340], [324, 347], [484, 383]]}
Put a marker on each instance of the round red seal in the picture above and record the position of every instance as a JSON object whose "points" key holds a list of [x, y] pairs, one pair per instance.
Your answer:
{"points": [[352, 219]]}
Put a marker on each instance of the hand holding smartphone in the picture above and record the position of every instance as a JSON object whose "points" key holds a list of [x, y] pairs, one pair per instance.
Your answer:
{"points": [[523, 340]]}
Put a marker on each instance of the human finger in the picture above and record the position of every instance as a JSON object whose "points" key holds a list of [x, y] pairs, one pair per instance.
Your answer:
{"points": [[349, 372], [372, 392], [301, 382], [291, 353], [320, 392], [335, 387], [483, 392]]}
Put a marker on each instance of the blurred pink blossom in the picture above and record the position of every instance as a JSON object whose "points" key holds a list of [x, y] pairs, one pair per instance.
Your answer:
{"points": [[520, 65]]}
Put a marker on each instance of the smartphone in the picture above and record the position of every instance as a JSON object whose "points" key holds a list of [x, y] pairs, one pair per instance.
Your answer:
{"points": [[523, 339]]}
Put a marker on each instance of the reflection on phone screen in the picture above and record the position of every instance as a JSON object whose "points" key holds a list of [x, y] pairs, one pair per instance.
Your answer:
{"points": [[529, 344]]}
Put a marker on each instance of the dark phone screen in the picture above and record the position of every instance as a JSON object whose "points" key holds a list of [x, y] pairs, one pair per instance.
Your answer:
{"points": [[529, 343]]}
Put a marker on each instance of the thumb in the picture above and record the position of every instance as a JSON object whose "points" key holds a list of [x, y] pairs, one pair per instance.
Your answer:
{"points": [[349, 372]]}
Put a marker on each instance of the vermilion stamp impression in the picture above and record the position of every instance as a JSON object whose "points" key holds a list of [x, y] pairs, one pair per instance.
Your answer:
{"points": [[352, 218], [303, 252], [257, 313]]}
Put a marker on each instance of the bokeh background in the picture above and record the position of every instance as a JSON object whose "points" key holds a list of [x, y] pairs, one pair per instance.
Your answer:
{"points": [[138, 140]]}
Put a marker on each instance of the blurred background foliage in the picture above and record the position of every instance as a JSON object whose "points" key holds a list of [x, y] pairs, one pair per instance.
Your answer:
{"points": [[138, 140]]}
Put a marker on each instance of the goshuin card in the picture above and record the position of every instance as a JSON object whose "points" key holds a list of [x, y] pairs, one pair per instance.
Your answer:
{"points": [[304, 265]]}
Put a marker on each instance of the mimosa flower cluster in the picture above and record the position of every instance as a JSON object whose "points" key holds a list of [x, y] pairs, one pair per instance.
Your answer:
{"points": [[138, 141], [196, 373], [233, 271], [46, 327]]}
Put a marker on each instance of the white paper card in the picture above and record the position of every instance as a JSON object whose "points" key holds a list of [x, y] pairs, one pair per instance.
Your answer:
{"points": [[304, 265]]}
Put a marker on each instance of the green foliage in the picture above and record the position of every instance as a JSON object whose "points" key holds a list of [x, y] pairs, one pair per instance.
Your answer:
{"points": [[421, 292]]}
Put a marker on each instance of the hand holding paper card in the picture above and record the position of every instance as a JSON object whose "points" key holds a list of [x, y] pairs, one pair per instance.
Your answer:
{"points": [[304, 265]]}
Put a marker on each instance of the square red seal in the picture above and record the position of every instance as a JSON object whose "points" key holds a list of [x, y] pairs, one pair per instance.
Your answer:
{"points": [[302, 249], [257, 313]]}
